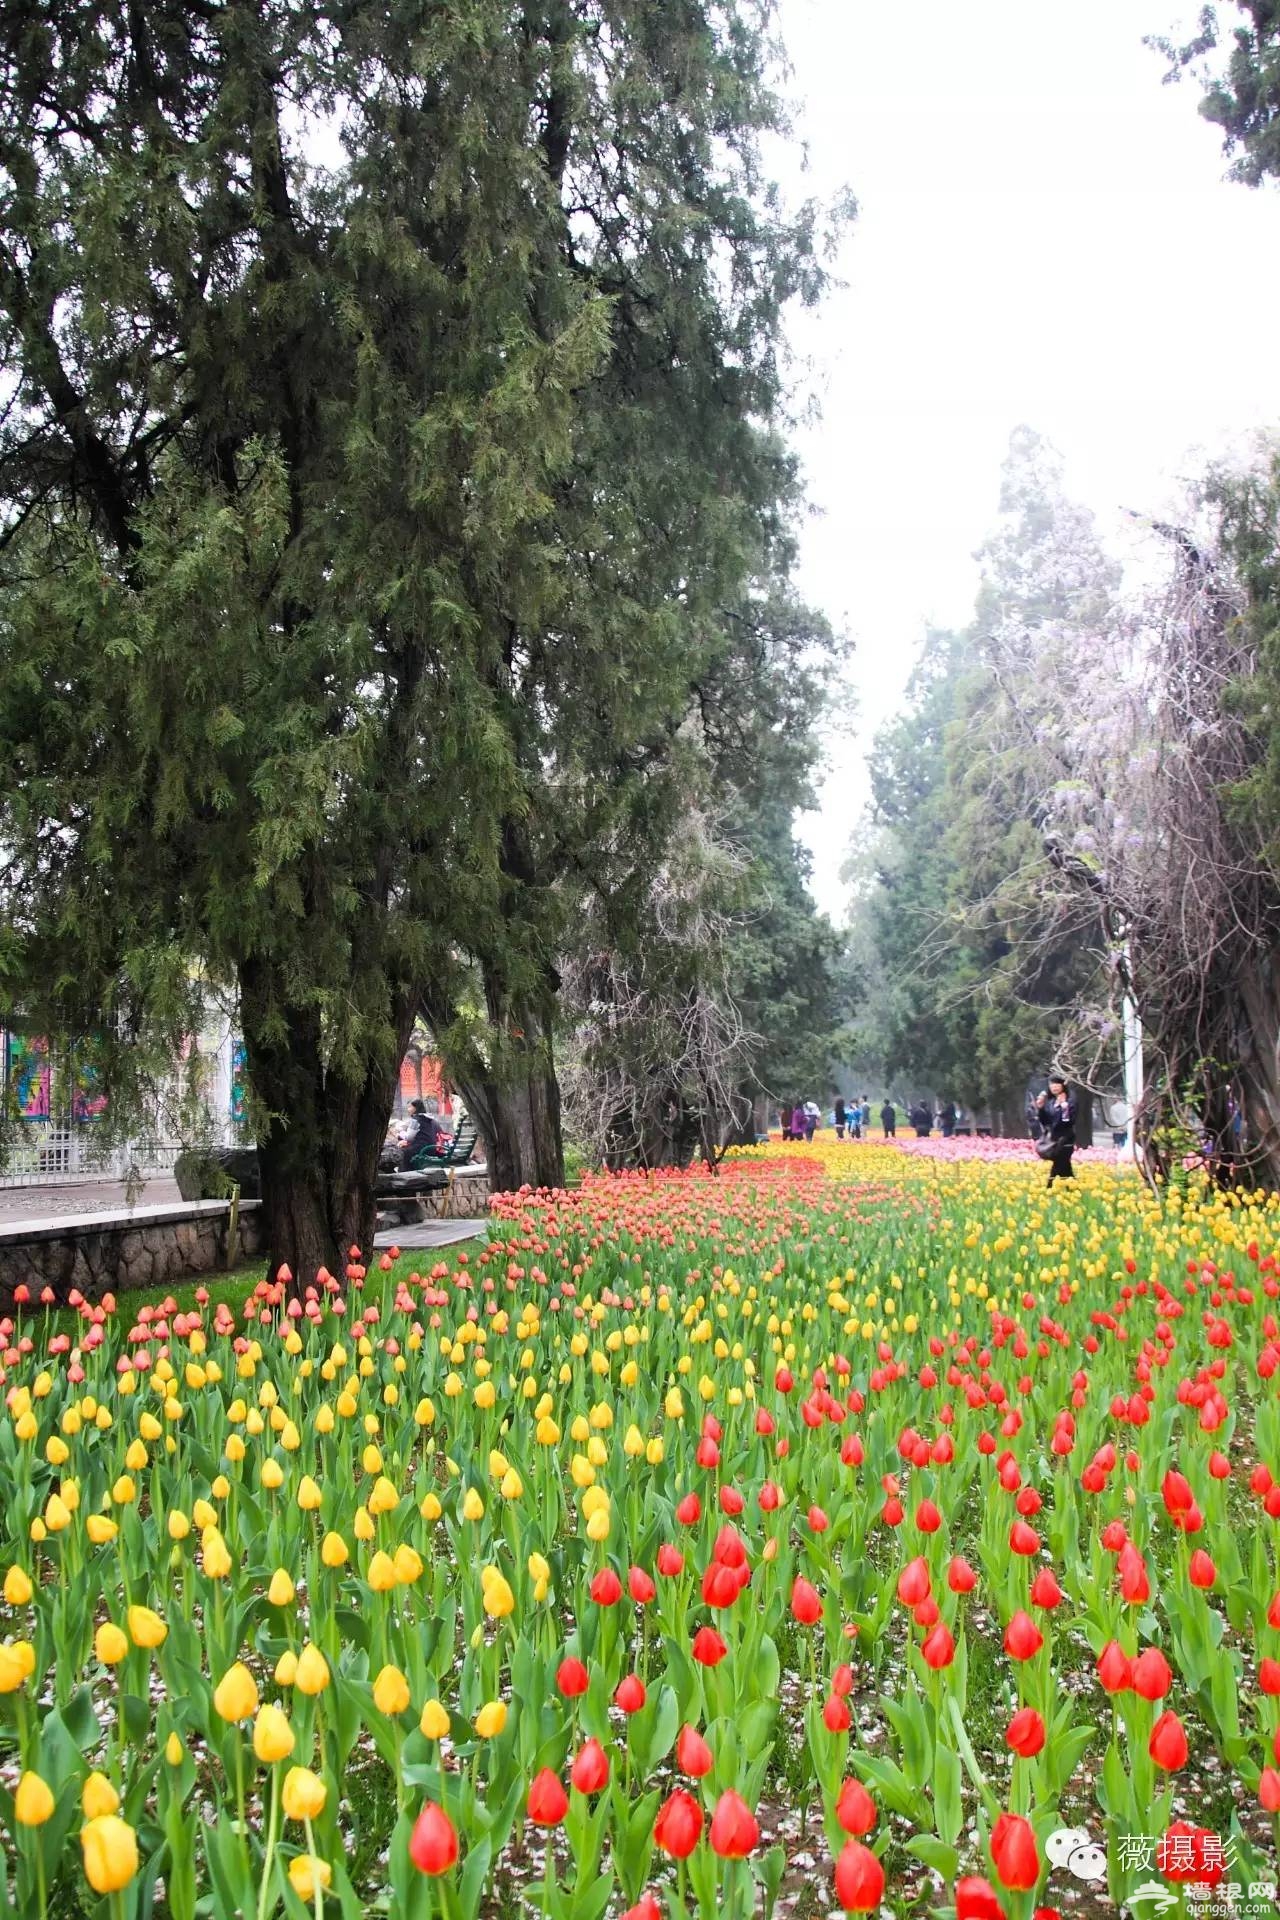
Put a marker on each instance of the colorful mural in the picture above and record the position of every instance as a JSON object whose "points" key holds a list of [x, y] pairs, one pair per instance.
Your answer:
{"points": [[29, 1075]]}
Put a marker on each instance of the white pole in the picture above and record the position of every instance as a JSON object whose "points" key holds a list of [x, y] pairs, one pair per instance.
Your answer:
{"points": [[1132, 1054]]}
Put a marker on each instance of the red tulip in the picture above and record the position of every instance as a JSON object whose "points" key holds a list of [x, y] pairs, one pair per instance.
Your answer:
{"points": [[842, 1680], [708, 1647], [1115, 1669], [678, 1826], [1168, 1743], [670, 1561], [928, 1519], [1269, 1675], [548, 1802], [961, 1577], [1181, 1855], [1022, 1637], [1202, 1570], [859, 1878], [689, 1510], [939, 1650], [913, 1582], [693, 1756], [836, 1716], [1045, 1591], [806, 1602], [1024, 1539], [1151, 1677], [641, 1587], [976, 1900], [606, 1588], [1269, 1790], [1178, 1497], [433, 1844], [855, 1809], [572, 1678], [630, 1694], [1014, 1852], [1135, 1587], [734, 1831], [1025, 1733], [818, 1522], [646, 1908], [590, 1769], [720, 1585]]}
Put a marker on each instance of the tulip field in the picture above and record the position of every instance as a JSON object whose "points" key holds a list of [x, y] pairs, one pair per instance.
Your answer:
{"points": [[853, 1531]]}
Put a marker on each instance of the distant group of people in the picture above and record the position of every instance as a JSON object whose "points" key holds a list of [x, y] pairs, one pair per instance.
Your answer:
{"points": [[924, 1118], [851, 1116], [800, 1120]]}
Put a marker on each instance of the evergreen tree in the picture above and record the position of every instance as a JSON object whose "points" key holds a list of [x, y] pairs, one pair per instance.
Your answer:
{"points": [[394, 422], [1238, 65]]}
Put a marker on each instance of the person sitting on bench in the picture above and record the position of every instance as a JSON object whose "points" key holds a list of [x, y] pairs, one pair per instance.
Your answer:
{"points": [[421, 1133]]}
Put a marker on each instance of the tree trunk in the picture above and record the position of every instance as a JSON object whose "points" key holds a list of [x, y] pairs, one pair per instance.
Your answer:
{"points": [[1258, 1051], [517, 1109], [320, 1134]]}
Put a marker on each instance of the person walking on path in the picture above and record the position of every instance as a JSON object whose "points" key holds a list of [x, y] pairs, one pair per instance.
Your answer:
{"points": [[838, 1115], [1057, 1112], [889, 1120]]}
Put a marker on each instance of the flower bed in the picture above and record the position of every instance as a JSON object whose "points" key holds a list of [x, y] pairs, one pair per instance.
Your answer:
{"points": [[852, 1531]]}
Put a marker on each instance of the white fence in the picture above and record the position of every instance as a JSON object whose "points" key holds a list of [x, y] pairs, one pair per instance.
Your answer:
{"points": [[62, 1151]]}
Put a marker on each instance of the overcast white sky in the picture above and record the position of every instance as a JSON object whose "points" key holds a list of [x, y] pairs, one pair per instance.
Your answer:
{"points": [[1045, 236]]}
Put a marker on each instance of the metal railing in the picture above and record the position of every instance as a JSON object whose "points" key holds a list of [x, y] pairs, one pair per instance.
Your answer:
{"points": [[64, 1151]]}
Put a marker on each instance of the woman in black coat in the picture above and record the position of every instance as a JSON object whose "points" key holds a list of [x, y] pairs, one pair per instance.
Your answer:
{"points": [[1057, 1110]]}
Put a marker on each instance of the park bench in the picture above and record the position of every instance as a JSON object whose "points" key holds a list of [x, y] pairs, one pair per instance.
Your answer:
{"points": [[401, 1192]]}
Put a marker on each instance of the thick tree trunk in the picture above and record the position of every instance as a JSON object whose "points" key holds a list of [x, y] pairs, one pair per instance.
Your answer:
{"points": [[321, 1134], [518, 1110], [1258, 1051]]}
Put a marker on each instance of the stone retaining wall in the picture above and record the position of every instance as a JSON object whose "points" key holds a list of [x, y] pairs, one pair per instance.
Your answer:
{"points": [[110, 1252], [465, 1198]]}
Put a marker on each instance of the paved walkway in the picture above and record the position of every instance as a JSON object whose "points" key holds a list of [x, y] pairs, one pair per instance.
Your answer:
{"points": [[92, 1198], [84, 1196], [432, 1233]]}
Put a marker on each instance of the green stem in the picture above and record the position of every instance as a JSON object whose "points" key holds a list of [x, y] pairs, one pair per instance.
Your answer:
{"points": [[268, 1860], [311, 1849]]}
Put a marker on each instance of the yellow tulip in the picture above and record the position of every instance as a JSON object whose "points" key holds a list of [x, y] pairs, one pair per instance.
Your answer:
{"points": [[110, 1643], [430, 1507], [146, 1629], [280, 1592], [333, 1550], [491, 1719], [17, 1587], [434, 1723], [384, 1498], [303, 1794], [286, 1668], [214, 1558], [33, 1801], [173, 1750], [272, 1736], [110, 1851], [236, 1695], [306, 1873], [499, 1601], [98, 1796], [312, 1676], [178, 1524], [408, 1565], [100, 1530], [382, 1573], [272, 1475], [472, 1505], [391, 1692], [308, 1494], [57, 1514], [363, 1526]]}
